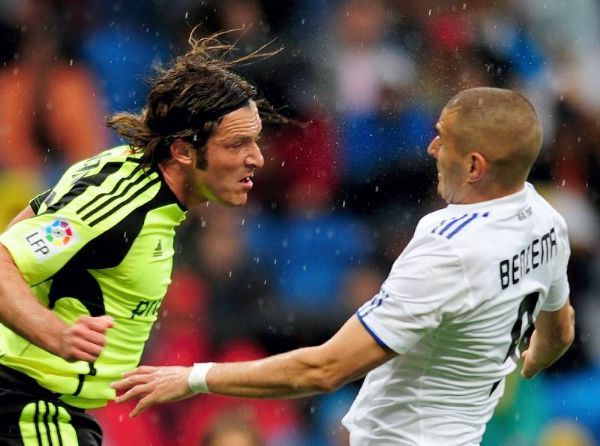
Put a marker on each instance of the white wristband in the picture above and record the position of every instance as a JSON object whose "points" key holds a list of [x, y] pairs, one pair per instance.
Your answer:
{"points": [[197, 377]]}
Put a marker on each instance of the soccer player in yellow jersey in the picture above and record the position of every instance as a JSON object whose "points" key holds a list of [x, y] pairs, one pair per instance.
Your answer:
{"points": [[84, 268]]}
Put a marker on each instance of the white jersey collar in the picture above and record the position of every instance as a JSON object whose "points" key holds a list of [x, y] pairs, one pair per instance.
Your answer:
{"points": [[516, 200]]}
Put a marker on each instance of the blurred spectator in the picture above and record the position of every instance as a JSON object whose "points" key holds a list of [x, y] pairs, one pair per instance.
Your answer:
{"points": [[16, 189], [566, 433], [360, 283], [50, 109], [362, 59], [575, 163], [384, 130], [572, 38], [282, 77], [303, 165], [183, 323], [239, 301], [232, 430], [122, 43], [384, 155], [119, 429], [309, 247]]}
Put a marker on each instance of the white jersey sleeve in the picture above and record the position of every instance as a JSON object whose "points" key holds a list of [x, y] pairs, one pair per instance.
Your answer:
{"points": [[559, 289], [424, 283]]}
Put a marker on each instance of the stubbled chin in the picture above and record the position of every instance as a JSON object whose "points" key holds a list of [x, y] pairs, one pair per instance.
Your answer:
{"points": [[238, 200]]}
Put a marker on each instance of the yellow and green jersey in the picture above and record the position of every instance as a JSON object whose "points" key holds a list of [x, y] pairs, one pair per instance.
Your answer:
{"points": [[101, 242]]}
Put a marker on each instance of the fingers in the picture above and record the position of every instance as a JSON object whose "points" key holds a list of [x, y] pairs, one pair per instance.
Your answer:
{"points": [[87, 352], [139, 408], [85, 340], [128, 382], [142, 370], [135, 391], [84, 335], [99, 323]]}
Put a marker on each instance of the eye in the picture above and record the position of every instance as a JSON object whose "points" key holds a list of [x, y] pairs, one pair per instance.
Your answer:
{"points": [[237, 145]]}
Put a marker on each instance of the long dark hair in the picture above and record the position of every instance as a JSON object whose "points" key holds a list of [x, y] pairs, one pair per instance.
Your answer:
{"points": [[188, 99]]}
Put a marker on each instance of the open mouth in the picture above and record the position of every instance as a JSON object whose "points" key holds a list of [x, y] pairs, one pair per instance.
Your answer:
{"points": [[247, 182]]}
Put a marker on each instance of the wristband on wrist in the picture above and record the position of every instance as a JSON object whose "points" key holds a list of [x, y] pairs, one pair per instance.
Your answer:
{"points": [[197, 377]]}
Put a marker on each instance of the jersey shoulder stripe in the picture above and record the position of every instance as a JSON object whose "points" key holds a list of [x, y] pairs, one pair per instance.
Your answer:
{"points": [[449, 228], [99, 197], [107, 199], [88, 175], [78, 188], [150, 181]]}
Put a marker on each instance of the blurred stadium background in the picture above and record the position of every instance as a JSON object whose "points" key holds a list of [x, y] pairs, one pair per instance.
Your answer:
{"points": [[337, 200]]}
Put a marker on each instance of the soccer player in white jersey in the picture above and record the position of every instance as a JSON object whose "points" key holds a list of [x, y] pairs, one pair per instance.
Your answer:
{"points": [[446, 327]]}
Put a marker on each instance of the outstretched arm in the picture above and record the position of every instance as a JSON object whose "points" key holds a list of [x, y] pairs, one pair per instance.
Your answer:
{"points": [[350, 354], [553, 335]]}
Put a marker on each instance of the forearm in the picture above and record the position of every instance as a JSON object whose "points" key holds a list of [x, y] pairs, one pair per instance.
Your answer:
{"points": [[350, 354], [22, 312], [294, 374], [545, 350]]}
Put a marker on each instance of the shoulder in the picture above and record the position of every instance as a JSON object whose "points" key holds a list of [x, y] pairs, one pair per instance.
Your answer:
{"points": [[430, 244], [543, 208], [451, 225]]}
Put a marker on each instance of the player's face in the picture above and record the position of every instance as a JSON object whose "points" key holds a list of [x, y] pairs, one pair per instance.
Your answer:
{"points": [[232, 156], [452, 164]]}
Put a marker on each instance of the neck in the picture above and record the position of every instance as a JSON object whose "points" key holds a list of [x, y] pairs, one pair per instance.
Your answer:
{"points": [[490, 192], [176, 181]]}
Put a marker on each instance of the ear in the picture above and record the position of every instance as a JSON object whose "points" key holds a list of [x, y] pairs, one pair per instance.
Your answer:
{"points": [[478, 167], [183, 152]]}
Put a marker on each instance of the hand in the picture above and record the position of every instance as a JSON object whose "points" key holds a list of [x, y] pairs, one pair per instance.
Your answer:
{"points": [[153, 385], [85, 339]]}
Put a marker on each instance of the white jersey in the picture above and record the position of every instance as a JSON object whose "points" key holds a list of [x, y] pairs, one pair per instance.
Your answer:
{"points": [[454, 307]]}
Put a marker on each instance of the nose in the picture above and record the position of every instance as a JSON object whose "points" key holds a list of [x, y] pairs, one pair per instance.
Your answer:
{"points": [[434, 147], [255, 158]]}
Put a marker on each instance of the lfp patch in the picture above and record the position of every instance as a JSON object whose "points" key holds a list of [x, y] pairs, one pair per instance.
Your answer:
{"points": [[51, 239], [59, 233]]}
